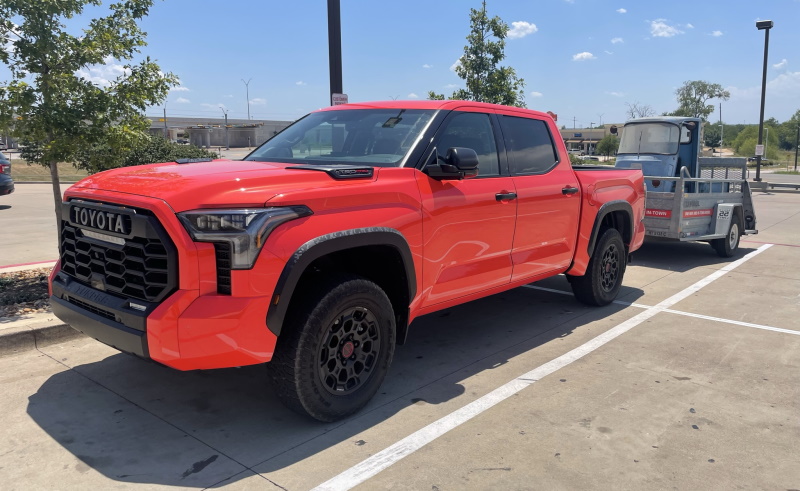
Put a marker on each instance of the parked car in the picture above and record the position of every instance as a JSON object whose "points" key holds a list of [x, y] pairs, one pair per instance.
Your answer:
{"points": [[6, 182], [589, 157]]}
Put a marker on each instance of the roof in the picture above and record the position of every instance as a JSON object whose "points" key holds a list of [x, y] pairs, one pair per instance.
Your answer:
{"points": [[663, 119], [435, 105]]}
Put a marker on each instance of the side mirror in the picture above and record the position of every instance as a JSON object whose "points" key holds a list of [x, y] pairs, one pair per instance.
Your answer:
{"points": [[690, 124], [613, 130], [459, 163]]}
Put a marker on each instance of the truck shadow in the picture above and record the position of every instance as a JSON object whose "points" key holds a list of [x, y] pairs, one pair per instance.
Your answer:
{"points": [[139, 422], [683, 256]]}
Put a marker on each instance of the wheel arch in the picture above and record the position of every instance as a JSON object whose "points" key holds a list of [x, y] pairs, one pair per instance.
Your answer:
{"points": [[616, 214], [379, 254]]}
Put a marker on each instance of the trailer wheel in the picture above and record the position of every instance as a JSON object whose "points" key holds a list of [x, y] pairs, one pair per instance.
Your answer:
{"points": [[337, 351], [603, 278], [726, 247]]}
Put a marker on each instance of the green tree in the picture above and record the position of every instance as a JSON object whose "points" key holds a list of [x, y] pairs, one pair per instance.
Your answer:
{"points": [[608, 145], [746, 140], [693, 96], [711, 135], [486, 81], [58, 113], [149, 150]]}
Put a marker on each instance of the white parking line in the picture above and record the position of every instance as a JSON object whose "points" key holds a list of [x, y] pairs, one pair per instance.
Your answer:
{"points": [[408, 445]]}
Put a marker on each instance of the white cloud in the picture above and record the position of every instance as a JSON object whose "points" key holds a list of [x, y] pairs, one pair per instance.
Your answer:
{"points": [[103, 75], [716, 34], [535, 94], [455, 65], [258, 101], [182, 100], [621, 11], [785, 87], [608, 52], [520, 29], [617, 41], [427, 66], [412, 96], [660, 29], [782, 64], [451, 86], [689, 26], [300, 82], [583, 56], [616, 94], [179, 88]]}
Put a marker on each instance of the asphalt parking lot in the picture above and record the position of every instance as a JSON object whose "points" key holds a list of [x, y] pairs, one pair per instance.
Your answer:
{"points": [[689, 381]]}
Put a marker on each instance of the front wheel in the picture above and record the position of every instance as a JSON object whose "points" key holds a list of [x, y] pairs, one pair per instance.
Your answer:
{"points": [[726, 247], [603, 278], [339, 345]]}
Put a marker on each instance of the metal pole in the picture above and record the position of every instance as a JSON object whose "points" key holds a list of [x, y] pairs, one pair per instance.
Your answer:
{"points": [[247, 90], [227, 136], [166, 131], [335, 47], [763, 97], [721, 128], [796, 141]]}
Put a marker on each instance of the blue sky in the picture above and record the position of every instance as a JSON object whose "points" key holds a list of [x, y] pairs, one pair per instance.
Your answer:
{"points": [[582, 59]]}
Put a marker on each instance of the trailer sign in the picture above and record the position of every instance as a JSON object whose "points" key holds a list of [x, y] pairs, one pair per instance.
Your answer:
{"points": [[697, 213], [658, 213]]}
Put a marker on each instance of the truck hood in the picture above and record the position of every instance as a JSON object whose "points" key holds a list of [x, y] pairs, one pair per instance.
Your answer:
{"points": [[211, 184]]}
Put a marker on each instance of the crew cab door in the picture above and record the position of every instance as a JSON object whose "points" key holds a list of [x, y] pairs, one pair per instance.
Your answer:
{"points": [[468, 224], [548, 197]]}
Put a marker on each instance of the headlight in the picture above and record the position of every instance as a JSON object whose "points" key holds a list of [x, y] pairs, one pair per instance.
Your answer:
{"points": [[245, 230]]}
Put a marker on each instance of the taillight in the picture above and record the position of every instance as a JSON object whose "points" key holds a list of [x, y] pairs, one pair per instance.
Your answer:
{"points": [[5, 169]]}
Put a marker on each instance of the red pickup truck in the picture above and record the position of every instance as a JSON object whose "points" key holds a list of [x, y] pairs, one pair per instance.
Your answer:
{"points": [[316, 251]]}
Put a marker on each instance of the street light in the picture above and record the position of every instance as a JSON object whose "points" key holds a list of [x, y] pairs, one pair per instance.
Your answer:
{"points": [[590, 138], [247, 88], [227, 137], [762, 25]]}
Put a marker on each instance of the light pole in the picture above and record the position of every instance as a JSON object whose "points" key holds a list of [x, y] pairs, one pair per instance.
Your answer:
{"points": [[247, 89], [590, 138], [166, 131], [762, 25], [227, 137]]}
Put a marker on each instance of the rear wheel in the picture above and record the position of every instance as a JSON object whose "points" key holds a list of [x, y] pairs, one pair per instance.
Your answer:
{"points": [[603, 278], [727, 246], [338, 348]]}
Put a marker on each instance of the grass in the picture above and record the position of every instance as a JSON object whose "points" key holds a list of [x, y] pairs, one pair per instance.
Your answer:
{"points": [[788, 172], [21, 171]]}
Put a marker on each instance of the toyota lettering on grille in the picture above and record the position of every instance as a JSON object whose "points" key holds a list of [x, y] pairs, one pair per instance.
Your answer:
{"points": [[100, 220]]}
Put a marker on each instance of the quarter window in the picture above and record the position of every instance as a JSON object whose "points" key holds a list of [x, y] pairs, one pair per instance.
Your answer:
{"points": [[529, 145]]}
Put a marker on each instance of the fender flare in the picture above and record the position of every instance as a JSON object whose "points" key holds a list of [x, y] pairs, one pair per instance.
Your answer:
{"points": [[330, 243], [605, 209]]}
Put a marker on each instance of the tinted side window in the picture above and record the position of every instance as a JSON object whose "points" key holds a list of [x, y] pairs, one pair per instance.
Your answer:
{"points": [[472, 130], [530, 148]]}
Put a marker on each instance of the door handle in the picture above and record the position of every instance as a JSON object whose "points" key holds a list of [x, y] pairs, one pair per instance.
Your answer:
{"points": [[569, 190], [505, 196]]}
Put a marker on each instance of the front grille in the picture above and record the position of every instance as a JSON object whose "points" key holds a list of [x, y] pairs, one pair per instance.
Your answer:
{"points": [[144, 267], [223, 255]]}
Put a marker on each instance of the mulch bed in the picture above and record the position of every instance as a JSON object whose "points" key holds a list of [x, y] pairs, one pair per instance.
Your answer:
{"points": [[24, 292]]}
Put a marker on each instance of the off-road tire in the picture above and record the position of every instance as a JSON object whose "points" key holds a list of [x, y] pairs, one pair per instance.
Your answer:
{"points": [[603, 278], [727, 246], [335, 349]]}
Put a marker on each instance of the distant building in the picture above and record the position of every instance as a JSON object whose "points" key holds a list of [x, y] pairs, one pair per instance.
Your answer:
{"points": [[211, 132], [584, 140]]}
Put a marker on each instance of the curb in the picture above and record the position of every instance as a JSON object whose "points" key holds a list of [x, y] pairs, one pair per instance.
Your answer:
{"points": [[39, 331]]}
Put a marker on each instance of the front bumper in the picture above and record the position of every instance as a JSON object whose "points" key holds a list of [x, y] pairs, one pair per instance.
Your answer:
{"points": [[194, 327]]}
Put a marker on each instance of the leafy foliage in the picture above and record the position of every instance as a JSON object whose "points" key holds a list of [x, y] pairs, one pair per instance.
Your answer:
{"points": [[693, 96], [54, 111], [746, 140], [608, 145], [486, 81], [148, 150]]}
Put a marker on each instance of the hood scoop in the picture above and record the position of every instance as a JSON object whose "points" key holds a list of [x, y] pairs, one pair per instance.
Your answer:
{"points": [[340, 172]]}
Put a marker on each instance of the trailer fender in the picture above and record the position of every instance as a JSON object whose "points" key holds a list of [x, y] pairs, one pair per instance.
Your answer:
{"points": [[723, 216]]}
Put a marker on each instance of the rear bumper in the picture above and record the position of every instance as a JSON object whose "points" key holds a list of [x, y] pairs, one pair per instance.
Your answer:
{"points": [[6, 188]]}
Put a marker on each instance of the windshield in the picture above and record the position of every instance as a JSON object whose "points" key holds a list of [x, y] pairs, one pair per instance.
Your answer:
{"points": [[658, 138], [376, 137]]}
